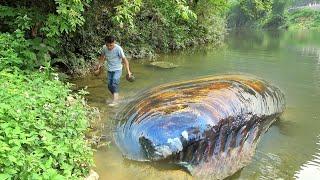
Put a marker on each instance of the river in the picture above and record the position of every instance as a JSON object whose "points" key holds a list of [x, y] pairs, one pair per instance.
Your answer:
{"points": [[290, 60]]}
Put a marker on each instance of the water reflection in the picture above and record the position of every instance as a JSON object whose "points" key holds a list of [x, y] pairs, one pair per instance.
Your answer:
{"points": [[314, 53], [284, 126], [251, 40], [311, 169]]}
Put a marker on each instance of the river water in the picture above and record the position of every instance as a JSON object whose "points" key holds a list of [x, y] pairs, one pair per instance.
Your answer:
{"points": [[290, 60]]}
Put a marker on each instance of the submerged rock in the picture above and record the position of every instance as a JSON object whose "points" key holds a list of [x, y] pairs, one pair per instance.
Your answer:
{"points": [[164, 64], [210, 126]]}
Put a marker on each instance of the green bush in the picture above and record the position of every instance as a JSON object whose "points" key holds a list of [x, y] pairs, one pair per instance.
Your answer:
{"points": [[249, 13], [269, 14], [22, 53], [304, 19], [42, 128], [274, 22], [51, 17], [35, 28], [42, 124], [77, 28]]}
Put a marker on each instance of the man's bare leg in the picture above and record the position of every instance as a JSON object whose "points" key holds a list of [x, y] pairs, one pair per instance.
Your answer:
{"points": [[115, 99]]}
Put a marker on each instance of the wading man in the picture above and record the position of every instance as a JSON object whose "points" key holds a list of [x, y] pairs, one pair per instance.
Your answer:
{"points": [[113, 57]]}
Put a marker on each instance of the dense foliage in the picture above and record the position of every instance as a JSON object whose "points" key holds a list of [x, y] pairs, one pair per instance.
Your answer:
{"points": [[251, 13], [304, 19], [18, 52], [49, 18], [42, 124], [40, 25], [73, 31], [272, 14], [41, 128], [145, 27]]}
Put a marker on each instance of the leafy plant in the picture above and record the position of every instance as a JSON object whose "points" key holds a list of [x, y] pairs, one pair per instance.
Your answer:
{"points": [[126, 12], [304, 19], [67, 19], [42, 128], [255, 9], [258, 14], [16, 51], [143, 27], [42, 124], [32, 31], [22, 53]]}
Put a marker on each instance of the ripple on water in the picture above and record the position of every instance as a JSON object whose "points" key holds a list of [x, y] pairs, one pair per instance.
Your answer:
{"points": [[269, 166], [311, 169]]}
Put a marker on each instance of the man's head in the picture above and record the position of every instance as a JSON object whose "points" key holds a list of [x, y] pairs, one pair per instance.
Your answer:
{"points": [[110, 42]]}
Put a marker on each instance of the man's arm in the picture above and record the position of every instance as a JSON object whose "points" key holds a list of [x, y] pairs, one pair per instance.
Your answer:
{"points": [[126, 64], [101, 61]]}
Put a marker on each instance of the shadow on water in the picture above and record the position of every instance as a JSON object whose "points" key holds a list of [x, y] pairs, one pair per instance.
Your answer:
{"points": [[284, 126], [236, 175]]}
